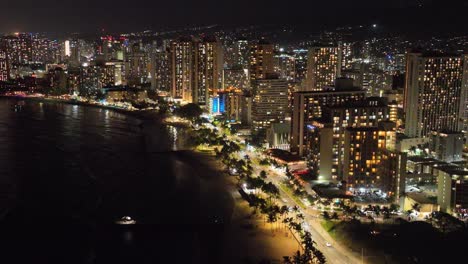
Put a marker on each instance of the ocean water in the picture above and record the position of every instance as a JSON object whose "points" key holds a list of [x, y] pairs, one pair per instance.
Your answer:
{"points": [[68, 172]]}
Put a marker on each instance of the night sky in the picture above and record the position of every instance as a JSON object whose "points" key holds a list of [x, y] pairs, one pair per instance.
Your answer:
{"points": [[127, 15]]}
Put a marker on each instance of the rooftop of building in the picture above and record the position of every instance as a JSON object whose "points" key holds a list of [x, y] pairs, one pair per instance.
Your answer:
{"points": [[366, 128], [367, 102], [332, 89], [421, 198], [281, 128], [433, 53], [121, 89], [283, 155], [447, 132], [342, 84], [453, 170], [421, 159]]}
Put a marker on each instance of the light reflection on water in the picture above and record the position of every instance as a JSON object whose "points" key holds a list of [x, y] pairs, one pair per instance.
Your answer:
{"points": [[67, 169]]}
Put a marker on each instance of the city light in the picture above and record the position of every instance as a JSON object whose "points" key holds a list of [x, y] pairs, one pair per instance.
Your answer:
{"points": [[286, 136]]}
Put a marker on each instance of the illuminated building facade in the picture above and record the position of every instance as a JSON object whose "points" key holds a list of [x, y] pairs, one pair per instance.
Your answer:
{"points": [[137, 66], [97, 76], [270, 102], [19, 48], [346, 55], [4, 65], [241, 54], [233, 106], [392, 173], [235, 78], [196, 68], [452, 189], [285, 66], [435, 93], [114, 48], [300, 61], [325, 137], [363, 156], [208, 55], [323, 67], [261, 60], [43, 50], [72, 51], [447, 146], [307, 106], [182, 68], [161, 70]]}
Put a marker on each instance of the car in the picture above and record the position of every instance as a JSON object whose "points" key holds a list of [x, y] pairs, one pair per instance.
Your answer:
{"points": [[328, 244]]}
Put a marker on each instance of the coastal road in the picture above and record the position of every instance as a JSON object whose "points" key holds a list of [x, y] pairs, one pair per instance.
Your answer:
{"points": [[336, 254]]}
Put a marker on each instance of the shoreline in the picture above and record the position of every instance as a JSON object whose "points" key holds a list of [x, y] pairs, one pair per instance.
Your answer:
{"points": [[246, 236], [242, 236], [141, 114]]}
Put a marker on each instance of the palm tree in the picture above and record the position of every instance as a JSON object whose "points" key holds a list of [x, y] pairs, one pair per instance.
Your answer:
{"points": [[283, 211], [295, 209], [334, 216], [271, 189], [416, 207], [393, 207], [319, 258], [297, 258], [273, 212]]}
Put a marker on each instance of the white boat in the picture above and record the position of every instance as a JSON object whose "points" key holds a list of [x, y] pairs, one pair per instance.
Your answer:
{"points": [[126, 220]]}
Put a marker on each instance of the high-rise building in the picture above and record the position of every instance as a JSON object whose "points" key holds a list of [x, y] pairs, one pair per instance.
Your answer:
{"points": [[261, 60], [346, 55], [182, 68], [241, 54], [58, 80], [300, 67], [19, 48], [363, 156], [4, 64], [447, 146], [196, 69], [137, 66], [233, 105], [96, 76], [452, 189], [72, 51], [307, 106], [435, 93], [42, 49], [285, 66], [161, 70], [325, 137], [323, 67], [236, 78], [246, 102], [207, 69], [392, 172], [113, 48], [270, 102]]}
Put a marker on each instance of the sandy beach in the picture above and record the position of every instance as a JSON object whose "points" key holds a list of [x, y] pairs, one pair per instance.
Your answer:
{"points": [[247, 238]]}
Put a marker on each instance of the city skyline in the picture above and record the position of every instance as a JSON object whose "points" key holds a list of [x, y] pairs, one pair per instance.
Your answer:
{"points": [[255, 132]]}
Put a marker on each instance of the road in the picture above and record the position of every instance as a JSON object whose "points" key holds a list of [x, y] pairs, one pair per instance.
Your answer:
{"points": [[336, 253]]}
